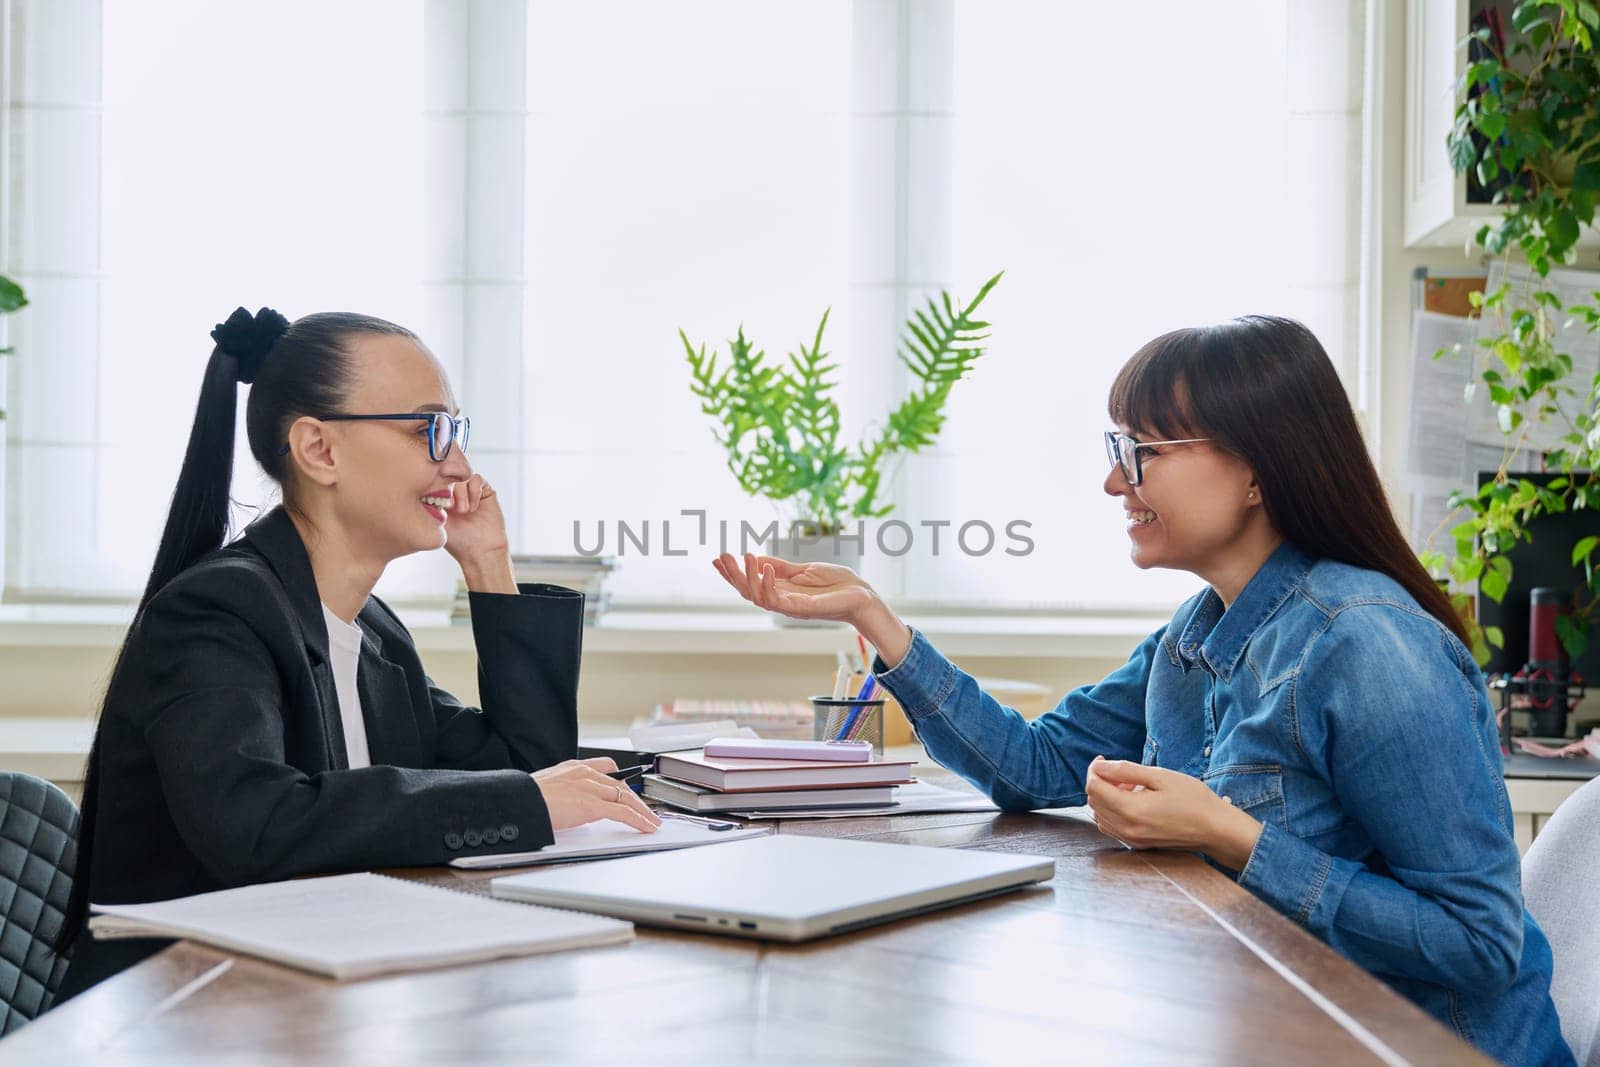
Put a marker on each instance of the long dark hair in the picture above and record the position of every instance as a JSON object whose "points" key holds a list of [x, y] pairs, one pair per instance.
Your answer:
{"points": [[1264, 389], [306, 371]]}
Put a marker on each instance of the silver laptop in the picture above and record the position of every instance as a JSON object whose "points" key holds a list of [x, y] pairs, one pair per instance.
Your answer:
{"points": [[780, 887]]}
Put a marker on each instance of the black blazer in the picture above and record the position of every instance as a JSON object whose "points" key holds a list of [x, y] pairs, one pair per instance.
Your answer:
{"points": [[221, 757]]}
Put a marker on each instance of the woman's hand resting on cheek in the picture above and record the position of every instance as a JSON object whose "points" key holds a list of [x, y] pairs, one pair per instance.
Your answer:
{"points": [[1151, 807], [475, 535], [578, 792]]}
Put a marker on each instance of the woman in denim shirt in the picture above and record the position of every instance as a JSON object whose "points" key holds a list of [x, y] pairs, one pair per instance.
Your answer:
{"points": [[1312, 722]]}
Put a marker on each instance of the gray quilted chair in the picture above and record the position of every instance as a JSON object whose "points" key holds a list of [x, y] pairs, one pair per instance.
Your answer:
{"points": [[38, 854], [1559, 878]]}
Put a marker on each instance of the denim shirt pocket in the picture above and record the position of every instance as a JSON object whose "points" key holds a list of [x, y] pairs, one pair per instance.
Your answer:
{"points": [[1256, 788]]}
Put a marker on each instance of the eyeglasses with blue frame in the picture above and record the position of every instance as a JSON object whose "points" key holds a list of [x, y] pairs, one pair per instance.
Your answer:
{"points": [[444, 429]]}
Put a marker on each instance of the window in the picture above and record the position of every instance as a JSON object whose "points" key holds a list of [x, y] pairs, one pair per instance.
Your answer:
{"points": [[689, 166], [638, 167], [277, 165], [1128, 189]]}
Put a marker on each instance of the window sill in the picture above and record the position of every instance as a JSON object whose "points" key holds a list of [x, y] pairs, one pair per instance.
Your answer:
{"points": [[625, 631]]}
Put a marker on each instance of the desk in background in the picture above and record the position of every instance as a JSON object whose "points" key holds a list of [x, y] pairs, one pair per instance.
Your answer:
{"points": [[1537, 785], [1152, 956]]}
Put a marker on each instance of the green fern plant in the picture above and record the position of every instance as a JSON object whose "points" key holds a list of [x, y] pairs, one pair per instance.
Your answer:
{"points": [[780, 428]]}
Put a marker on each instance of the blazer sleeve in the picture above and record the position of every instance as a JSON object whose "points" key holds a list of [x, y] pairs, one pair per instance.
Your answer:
{"points": [[213, 720], [529, 649]]}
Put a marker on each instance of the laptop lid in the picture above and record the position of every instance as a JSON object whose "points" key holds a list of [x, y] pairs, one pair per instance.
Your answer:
{"points": [[780, 888]]}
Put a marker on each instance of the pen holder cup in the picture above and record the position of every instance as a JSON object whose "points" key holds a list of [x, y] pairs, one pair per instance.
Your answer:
{"points": [[848, 720]]}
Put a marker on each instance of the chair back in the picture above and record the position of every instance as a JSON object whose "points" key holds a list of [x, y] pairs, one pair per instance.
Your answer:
{"points": [[1561, 887], [38, 856]]}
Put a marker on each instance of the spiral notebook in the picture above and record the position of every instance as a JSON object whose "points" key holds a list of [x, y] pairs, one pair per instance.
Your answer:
{"points": [[359, 925]]}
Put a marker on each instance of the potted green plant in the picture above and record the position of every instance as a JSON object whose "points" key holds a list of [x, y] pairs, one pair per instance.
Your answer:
{"points": [[781, 429], [1527, 124]]}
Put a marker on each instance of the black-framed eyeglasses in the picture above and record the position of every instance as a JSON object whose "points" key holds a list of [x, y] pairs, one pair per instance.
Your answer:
{"points": [[443, 429], [1123, 451]]}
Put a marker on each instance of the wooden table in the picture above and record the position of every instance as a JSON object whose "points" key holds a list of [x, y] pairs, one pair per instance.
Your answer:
{"points": [[1141, 956]]}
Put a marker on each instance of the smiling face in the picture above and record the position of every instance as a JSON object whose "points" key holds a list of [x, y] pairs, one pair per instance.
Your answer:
{"points": [[1195, 505], [387, 485]]}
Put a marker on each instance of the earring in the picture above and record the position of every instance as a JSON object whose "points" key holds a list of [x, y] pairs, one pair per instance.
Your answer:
{"points": [[1252, 495]]}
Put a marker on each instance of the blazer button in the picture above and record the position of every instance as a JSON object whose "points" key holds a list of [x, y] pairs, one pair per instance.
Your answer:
{"points": [[508, 832], [452, 840], [473, 838], [491, 836]]}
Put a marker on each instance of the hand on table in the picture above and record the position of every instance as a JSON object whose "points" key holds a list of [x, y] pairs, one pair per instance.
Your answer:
{"points": [[578, 792]]}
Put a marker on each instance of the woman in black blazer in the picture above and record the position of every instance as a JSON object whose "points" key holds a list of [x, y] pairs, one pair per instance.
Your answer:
{"points": [[223, 755]]}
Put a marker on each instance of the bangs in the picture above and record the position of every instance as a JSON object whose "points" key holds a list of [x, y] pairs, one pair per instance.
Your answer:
{"points": [[1151, 395]]}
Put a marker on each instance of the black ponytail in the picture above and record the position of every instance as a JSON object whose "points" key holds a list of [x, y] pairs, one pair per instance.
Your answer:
{"points": [[197, 520], [294, 369]]}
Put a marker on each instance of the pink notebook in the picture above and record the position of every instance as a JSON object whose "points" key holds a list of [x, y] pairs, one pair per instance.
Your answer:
{"points": [[733, 775], [765, 748]]}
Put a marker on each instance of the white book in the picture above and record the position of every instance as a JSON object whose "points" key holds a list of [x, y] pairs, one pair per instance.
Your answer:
{"points": [[358, 925]]}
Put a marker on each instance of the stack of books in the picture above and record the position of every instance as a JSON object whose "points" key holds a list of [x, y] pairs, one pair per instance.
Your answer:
{"points": [[694, 781], [586, 574]]}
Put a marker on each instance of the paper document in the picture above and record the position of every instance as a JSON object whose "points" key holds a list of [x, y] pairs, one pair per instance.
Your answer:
{"points": [[1441, 455], [604, 839], [918, 798], [1573, 338]]}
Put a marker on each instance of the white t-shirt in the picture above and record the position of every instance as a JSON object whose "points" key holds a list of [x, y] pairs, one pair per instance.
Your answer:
{"points": [[344, 645]]}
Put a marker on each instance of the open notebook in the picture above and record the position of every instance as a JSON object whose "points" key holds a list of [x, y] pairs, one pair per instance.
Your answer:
{"points": [[358, 925]]}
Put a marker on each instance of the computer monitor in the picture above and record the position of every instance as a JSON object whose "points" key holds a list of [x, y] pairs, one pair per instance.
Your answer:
{"points": [[1546, 561]]}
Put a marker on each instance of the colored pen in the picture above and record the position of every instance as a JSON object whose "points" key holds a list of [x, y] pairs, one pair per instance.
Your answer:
{"points": [[855, 712], [868, 691]]}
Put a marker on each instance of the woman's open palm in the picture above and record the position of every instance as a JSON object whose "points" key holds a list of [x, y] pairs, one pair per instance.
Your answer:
{"points": [[799, 590]]}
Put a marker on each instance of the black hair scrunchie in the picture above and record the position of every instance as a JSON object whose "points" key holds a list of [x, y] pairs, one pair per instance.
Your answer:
{"points": [[248, 338]]}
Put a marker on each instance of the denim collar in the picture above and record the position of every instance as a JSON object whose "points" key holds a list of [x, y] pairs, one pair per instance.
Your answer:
{"points": [[1216, 636]]}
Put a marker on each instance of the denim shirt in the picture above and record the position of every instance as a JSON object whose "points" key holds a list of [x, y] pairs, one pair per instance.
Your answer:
{"points": [[1355, 727]]}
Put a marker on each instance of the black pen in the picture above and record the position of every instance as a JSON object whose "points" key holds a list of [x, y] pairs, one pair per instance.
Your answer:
{"points": [[709, 824], [622, 774]]}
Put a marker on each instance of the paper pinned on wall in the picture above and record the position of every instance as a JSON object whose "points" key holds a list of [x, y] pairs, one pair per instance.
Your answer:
{"points": [[1572, 338], [1443, 456], [1438, 423]]}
